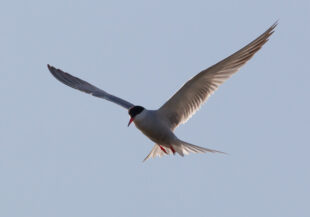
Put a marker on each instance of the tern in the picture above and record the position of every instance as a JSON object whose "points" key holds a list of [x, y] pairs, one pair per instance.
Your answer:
{"points": [[159, 125]]}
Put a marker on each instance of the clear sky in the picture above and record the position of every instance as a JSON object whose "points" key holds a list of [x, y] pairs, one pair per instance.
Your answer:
{"points": [[64, 153]]}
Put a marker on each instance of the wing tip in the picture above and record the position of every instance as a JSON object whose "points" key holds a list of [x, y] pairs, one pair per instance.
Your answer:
{"points": [[64, 77], [50, 67], [52, 70], [271, 29]]}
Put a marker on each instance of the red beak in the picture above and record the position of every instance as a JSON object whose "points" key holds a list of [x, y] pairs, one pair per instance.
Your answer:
{"points": [[131, 120]]}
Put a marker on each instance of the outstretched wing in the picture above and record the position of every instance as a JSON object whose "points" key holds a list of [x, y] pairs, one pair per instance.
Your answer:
{"points": [[183, 104], [86, 87]]}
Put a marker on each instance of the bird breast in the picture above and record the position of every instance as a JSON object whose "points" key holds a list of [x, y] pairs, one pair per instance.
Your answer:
{"points": [[152, 125]]}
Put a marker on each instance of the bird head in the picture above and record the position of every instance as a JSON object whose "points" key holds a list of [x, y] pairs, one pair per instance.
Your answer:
{"points": [[133, 112]]}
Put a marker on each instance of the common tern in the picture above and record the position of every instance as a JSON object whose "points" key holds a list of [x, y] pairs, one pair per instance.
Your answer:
{"points": [[159, 125]]}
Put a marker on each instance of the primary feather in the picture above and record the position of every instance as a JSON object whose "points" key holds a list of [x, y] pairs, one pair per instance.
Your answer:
{"points": [[86, 87], [183, 104]]}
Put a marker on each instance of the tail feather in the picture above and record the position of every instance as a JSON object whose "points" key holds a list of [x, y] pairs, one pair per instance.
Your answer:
{"points": [[179, 150], [157, 152], [188, 148], [182, 148]]}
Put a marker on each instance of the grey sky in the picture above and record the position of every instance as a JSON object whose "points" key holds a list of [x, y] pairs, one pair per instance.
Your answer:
{"points": [[64, 153]]}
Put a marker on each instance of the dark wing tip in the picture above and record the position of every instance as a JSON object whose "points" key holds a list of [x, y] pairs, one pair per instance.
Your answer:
{"points": [[53, 70], [270, 31], [67, 79], [272, 27]]}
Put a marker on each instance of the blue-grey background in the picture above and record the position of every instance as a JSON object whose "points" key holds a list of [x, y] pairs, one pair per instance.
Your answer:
{"points": [[64, 153]]}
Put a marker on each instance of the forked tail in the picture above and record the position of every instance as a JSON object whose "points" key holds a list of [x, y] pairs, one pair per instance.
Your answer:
{"points": [[182, 148]]}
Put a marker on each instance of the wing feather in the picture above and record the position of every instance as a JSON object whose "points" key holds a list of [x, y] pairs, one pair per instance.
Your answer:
{"points": [[183, 104], [86, 87]]}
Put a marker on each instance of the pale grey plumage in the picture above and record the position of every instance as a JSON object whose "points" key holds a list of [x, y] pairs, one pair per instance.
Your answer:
{"points": [[181, 147], [158, 125], [184, 103], [86, 87]]}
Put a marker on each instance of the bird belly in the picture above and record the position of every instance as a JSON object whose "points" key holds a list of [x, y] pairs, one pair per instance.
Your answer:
{"points": [[156, 131]]}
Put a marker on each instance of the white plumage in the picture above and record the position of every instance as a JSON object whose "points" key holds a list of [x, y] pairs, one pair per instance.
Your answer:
{"points": [[158, 125]]}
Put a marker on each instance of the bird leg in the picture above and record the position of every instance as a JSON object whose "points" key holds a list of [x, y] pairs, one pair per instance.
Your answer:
{"points": [[172, 149], [163, 149]]}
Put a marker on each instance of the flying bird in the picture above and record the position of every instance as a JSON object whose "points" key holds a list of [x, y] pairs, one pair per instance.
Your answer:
{"points": [[159, 125]]}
